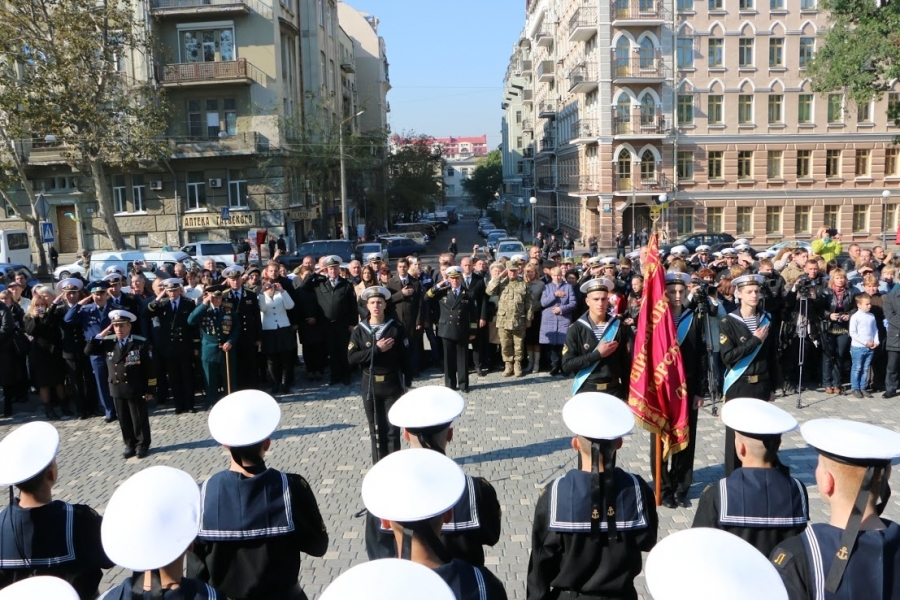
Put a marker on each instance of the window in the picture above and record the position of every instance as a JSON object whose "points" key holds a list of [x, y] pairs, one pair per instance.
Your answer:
{"points": [[449, 171], [207, 45], [860, 218], [776, 102], [744, 220], [119, 200], [745, 5], [138, 191], [329, 19], [648, 166], [774, 162], [804, 164], [714, 109], [684, 220], [685, 5], [142, 241], [685, 166], [807, 4], [716, 52], [195, 119], [807, 48], [715, 219], [745, 109], [332, 80], [892, 162], [212, 119], [773, 219], [321, 12], [685, 53], [802, 218], [864, 113], [519, 142], [714, 164], [623, 172], [776, 52], [776, 4], [745, 53], [835, 108], [230, 107], [237, 189], [685, 109], [831, 215], [833, 163], [804, 108], [745, 164], [196, 190], [322, 73], [862, 163], [893, 103], [716, 5], [890, 217]]}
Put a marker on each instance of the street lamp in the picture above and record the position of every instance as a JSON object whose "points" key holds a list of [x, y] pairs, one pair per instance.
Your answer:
{"points": [[663, 198], [885, 196], [345, 223], [533, 202]]}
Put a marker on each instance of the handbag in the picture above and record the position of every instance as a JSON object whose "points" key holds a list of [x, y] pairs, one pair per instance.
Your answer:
{"points": [[21, 343]]}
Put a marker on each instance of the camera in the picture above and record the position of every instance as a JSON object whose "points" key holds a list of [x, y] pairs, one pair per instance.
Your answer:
{"points": [[701, 294], [831, 232], [804, 284]]}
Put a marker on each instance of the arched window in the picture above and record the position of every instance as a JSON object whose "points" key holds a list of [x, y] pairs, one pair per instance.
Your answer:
{"points": [[623, 115], [647, 54], [648, 110], [623, 52], [623, 172], [648, 166]]}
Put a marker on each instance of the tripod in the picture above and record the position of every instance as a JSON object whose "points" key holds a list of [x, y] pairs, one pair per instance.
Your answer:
{"points": [[802, 334], [712, 372]]}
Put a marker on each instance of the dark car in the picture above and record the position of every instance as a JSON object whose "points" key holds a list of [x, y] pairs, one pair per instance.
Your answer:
{"points": [[400, 246], [9, 270], [318, 249], [692, 240]]}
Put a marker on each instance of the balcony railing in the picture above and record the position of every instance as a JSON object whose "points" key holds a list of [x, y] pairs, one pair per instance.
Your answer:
{"points": [[528, 182], [638, 124], [657, 182], [544, 38], [585, 184], [583, 24], [638, 10], [547, 144], [204, 73], [244, 142], [584, 130], [638, 67], [528, 152], [178, 8], [527, 96], [546, 183], [583, 78]]}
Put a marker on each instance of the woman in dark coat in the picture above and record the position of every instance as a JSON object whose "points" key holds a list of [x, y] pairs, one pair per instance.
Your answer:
{"points": [[312, 330], [43, 322], [13, 370]]}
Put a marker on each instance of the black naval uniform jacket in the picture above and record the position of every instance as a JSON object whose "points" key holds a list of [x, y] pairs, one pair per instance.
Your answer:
{"points": [[764, 507], [387, 366], [188, 589], [475, 524], [611, 375], [177, 337], [459, 314], [250, 319], [469, 582], [132, 372], [57, 539], [760, 378], [252, 531], [565, 556], [694, 357]]}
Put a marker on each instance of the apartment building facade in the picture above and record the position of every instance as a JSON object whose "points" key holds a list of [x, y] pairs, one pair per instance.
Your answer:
{"points": [[704, 105]]}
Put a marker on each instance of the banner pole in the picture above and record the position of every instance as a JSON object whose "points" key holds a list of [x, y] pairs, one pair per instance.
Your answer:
{"points": [[657, 469]]}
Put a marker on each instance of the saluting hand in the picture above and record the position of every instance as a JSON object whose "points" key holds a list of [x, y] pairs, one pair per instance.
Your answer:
{"points": [[86, 300]]}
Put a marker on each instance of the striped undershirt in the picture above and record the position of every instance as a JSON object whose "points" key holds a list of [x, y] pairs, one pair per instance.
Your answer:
{"points": [[751, 322], [599, 330]]}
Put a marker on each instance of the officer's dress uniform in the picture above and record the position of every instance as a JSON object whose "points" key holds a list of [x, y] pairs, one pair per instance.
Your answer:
{"points": [[132, 374], [244, 304], [391, 373], [610, 374], [458, 320], [476, 286], [92, 319], [216, 328], [57, 539], [78, 366], [252, 532], [338, 302], [132, 304], [175, 342]]}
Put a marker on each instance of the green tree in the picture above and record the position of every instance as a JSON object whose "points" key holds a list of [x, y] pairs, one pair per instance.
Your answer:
{"points": [[76, 72], [861, 51], [485, 180], [415, 171]]}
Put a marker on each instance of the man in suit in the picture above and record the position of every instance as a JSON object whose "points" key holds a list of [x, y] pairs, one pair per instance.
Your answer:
{"points": [[176, 341], [474, 283], [132, 377], [406, 299], [244, 305], [219, 333], [456, 326], [92, 315]]}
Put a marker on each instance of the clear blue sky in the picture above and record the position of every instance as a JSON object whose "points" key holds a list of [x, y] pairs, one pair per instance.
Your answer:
{"points": [[447, 62]]}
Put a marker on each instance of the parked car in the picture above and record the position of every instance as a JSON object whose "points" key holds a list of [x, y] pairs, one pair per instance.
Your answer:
{"points": [[15, 247], [506, 248], [318, 249], [774, 249], [494, 236], [80, 266], [224, 254], [486, 226], [9, 271], [692, 240], [419, 238], [125, 259], [403, 246], [367, 248]]}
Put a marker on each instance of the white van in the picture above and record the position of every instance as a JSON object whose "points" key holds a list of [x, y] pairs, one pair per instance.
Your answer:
{"points": [[100, 261], [15, 247]]}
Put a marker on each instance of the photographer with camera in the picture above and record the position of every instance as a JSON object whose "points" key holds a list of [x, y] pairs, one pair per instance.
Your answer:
{"points": [[827, 243], [801, 331]]}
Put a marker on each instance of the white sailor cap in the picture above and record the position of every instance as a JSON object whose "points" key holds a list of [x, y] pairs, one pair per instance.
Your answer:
{"points": [[43, 587], [374, 257], [70, 284], [762, 255], [115, 269], [742, 247], [388, 579], [676, 277], [740, 242], [426, 407], [702, 248], [852, 442], [151, 519], [731, 568], [519, 257], [375, 290], [173, 283], [609, 261], [748, 280], [594, 261], [456, 272], [233, 272], [633, 255], [244, 418], [27, 451], [596, 284], [114, 277], [598, 416], [679, 251], [332, 261], [412, 485], [726, 252], [756, 417], [717, 255], [122, 316]]}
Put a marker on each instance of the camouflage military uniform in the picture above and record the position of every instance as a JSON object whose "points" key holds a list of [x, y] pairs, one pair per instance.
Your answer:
{"points": [[515, 310]]}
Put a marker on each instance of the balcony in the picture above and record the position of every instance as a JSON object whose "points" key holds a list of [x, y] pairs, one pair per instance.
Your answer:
{"points": [[545, 71], [528, 96], [584, 185], [637, 184], [243, 143], [525, 67], [585, 131], [528, 153], [528, 182], [347, 67], [583, 24], [639, 125], [547, 144], [179, 9], [547, 110], [546, 183], [638, 12], [638, 69], [583, 79], [200, 74], [544, 39], [44, 153]]}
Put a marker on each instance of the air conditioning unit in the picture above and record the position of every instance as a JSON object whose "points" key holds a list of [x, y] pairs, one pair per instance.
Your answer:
{"points": [[156, 185], [215, 183]]}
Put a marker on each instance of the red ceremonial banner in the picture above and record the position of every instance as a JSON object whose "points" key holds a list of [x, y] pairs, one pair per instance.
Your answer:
{"points": [[657, 391]]}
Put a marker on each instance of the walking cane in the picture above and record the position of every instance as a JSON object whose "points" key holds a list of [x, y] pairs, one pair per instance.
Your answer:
{"points": [[227, 372]]}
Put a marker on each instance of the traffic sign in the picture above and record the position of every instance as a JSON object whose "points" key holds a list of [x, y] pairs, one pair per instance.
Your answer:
{"points": [[226, 213], [42, 206], [47, 232]]}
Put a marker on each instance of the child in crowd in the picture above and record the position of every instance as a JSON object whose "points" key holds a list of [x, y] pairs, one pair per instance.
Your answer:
{"points": [[863, 341]]}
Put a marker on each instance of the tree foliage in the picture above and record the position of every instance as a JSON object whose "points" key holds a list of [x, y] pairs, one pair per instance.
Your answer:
{"points": [[77, 71], [416, 176], [861, 51], [485, 180]]}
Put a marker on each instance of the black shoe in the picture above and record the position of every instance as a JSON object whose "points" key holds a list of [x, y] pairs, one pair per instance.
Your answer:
{"points": [[142, 453], [889, 394], [669, 501], [682, 501], [857, 394], [554, 371], [179, 411], [129, 452], [482, 372], [67, 412], [346, 381], [867, 394], [50, 413], [464, 390], [111, 419]]}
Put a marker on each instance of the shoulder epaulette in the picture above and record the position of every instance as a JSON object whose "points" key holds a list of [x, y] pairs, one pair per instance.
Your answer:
{"points": [[139, 338], [111, 336]]}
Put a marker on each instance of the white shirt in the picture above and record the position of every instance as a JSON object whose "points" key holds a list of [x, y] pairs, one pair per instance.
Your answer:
{"points": [[863, 329]]}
